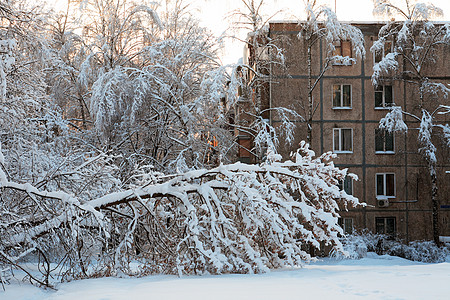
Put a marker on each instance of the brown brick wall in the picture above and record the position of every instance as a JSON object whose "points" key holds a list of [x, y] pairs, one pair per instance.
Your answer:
{"points": [[412, 203]]}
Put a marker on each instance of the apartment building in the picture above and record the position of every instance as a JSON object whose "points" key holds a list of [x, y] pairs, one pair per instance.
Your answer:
{"points": [[393, 177]]}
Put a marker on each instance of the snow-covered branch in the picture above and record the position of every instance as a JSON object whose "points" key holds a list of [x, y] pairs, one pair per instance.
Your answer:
{"points": [[232, 218], [393, 121]]}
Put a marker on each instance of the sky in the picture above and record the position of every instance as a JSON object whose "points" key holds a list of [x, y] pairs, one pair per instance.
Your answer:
{"points": [[213, 14]]}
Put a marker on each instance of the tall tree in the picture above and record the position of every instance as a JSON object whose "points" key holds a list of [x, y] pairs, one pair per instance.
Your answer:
{"points": [[321, 24], [149, 78], [28, 118], [253, 77], [417, 46]]}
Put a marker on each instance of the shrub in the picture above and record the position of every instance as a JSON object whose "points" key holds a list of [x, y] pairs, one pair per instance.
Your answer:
{"points": [[356, 246]]}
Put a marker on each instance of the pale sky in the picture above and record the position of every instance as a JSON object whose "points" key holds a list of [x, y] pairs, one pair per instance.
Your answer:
{"points": [[212, 14]]}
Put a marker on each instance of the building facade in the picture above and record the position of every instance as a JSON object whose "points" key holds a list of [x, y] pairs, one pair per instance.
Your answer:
{"points": [[393, 176]]}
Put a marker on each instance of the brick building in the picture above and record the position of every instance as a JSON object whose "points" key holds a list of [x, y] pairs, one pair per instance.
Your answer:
{"points": [[393, 176]]}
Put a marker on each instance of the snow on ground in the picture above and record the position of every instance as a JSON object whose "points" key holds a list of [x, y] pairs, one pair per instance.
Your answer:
{"points": [[374, 277]]}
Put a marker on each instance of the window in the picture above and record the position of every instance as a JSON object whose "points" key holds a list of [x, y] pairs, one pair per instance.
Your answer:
{"points": [[346, 224], [245, 144], [342, 96], [342, 48], [384, 141], [342, 140], [346, 185], [385, 50], [385, 185], [383, 96], [385, 225]]}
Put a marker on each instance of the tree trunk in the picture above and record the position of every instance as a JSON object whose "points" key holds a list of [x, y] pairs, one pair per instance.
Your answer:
{"points": [[435, 203], [310, 99], [83, 115]]}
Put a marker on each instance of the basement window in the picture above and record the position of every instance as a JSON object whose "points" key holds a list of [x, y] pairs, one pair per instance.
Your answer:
{"points": [[346, 224], [385, 225]]}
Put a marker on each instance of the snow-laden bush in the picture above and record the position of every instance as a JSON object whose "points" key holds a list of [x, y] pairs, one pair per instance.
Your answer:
{"points": [[356, 246], [423, 251]]}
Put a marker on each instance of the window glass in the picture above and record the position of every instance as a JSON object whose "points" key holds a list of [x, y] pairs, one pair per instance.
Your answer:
{"points": [[390, 186], [340, 185], [348, 186], [342, 139], [390, 226], [337, 48], [379, 140], [346, 99], [348, 226], [384, 141], [336, 95], [378, 56], [379, 225], [387, 47], [342, 95], [383, 96], [336, 134], [346, 48], [379, 96], [388, 95], [380, 184], [389, 141], [346, 140]]}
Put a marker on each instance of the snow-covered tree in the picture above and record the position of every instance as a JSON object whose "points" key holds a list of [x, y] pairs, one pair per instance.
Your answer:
{"points": [[234, 218], [179, 96], [27, 118], [322, 24], [417, 45], [143, 76], [67, 78], [34, 137], [251, 79]]}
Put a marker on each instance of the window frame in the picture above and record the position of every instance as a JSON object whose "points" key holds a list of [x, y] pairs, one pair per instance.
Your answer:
{"points": [[384, 133], [384, 105], [384, 196], [340, 140], [341, 100]]}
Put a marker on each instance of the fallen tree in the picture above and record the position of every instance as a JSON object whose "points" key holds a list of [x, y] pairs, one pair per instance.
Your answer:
{"points": [[234, 218]]}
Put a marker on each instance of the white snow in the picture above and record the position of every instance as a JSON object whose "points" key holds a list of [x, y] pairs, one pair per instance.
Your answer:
{"points": [[373, 277]]}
